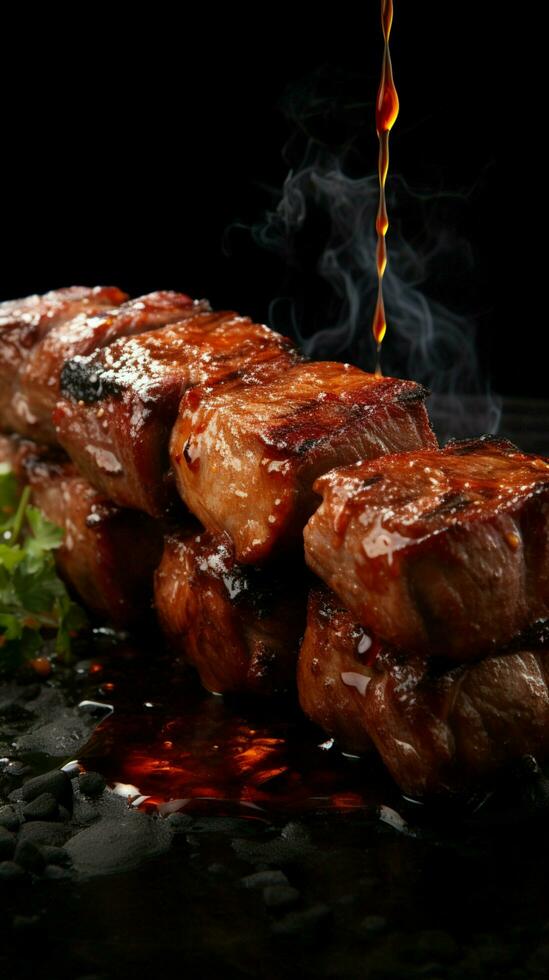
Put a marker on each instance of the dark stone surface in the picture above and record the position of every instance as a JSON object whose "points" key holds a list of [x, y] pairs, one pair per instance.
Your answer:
{"points": [[44, 832], [43, 807], [28, 856], [9, 818], [55, 783], [7, 844], [91, 784]]}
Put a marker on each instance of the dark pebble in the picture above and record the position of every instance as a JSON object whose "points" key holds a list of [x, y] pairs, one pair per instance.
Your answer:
{"points": [[56, 783], [263, 879], [29, 857], [44, 807], [307, 924], [56, 855], [218, 870], [7, 844], [10, 871], [42, 832], [55, 873], [9, 818], [180, 823], [91, 784], [279, 896]]}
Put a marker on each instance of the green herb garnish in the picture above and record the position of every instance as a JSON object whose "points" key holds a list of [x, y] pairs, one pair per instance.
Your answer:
{"points": [[34, 603]]}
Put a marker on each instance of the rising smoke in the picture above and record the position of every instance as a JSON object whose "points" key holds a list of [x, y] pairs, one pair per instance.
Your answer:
{"points": [[322, 227]]}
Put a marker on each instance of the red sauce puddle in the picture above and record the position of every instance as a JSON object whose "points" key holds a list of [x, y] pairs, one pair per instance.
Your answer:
{"points": [[179, 748]]}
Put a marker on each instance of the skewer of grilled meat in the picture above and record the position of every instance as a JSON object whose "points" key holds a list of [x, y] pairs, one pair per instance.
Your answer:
{"points": [[246, 455], [439, 552], [436, 729], [99, 536], [120, 403], [24, 323], [39, 377], [240, 627]]}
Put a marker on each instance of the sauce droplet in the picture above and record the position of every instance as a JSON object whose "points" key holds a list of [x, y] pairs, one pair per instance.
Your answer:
{"points": [[387, 106]]}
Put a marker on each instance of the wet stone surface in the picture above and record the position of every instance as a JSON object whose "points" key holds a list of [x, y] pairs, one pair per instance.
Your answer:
{"points": [[106, 883]]}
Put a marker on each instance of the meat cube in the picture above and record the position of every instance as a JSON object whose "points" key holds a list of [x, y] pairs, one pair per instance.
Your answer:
{"points": [[438, 552], [334, 670], [25, 322], [108, 555], [246, 457], [239, 626], [120, 404], [435, 731], [39, 377]]}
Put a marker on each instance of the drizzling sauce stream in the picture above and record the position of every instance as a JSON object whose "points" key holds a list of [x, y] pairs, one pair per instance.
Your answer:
{"points": [[386, 112]]}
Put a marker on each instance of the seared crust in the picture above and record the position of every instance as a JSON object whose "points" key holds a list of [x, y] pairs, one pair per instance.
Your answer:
{"points": [[333, 671], [239, 627], [121, 402], [39, 378], [99, 538], [435, 731], [246, 456], [438, 552], [25, 322]]}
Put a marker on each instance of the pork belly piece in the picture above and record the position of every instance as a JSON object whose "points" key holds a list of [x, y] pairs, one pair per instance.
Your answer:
{"points": [[108, 555], [239, 626], [246, 457], [25, 322], [442, 552], [334, 670], [435, 731], [39, 377], [120, 403]]}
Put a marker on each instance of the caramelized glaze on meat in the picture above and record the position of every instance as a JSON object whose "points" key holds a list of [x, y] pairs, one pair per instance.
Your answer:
{"points": [[25, 322], [438, 552], [240, 627], [333, 671], [246, 456], [108, 555], [120, 403], [39, 378], [435, 731]]}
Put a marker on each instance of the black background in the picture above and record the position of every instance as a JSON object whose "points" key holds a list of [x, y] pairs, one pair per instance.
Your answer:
{"points": [[131, 146]]}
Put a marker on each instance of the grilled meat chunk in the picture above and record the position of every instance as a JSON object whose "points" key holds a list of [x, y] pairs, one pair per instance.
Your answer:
{"points": [[25, 322], [120, 403], [438, 552], [240, 627], [247, 455], [39, 377], [99, 536], [435, 731], [334, 670]]}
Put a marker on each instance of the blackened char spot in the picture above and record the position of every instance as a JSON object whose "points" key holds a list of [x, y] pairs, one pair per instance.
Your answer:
{"points": [[87, 382], [415, 393], [371, 481], [449, 502]]}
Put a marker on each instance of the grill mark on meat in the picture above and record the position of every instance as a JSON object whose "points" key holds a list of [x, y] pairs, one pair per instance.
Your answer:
{"points": [[450, 503]]}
